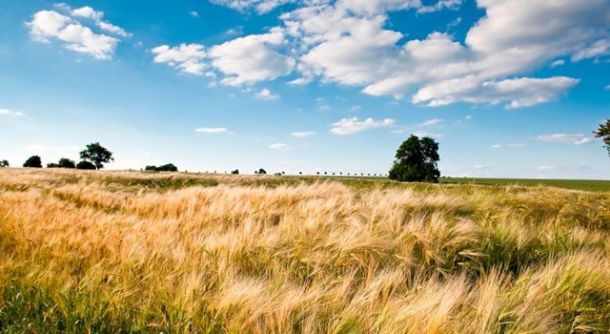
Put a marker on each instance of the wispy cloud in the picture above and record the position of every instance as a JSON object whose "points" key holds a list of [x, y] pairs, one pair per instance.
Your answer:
{"points": [[303, 134], [278, 146], [212, 130], [8, 112], [349, 126], [265, 95], [508, 145], [566, 138]]}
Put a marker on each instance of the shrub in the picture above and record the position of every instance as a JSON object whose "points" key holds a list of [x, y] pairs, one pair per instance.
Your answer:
{"points": [[33, 162], [85, 165], [4, 163], [66, 163], [53, 165], [235, 172]]}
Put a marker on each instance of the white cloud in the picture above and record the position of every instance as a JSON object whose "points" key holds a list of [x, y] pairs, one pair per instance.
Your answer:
{"points": [[349, 126], [597, 49], [194, 13], [250, 59], [508, 146], [266, 95], [566, 138], [48, 24], [348, 43], [545, 168], [430, 122], [278, 146], [607, 87], [261, 6], [518, 93], [187, 58], [212, 130], [558, 62], [8, 112], [90, 13], [303, 134]]}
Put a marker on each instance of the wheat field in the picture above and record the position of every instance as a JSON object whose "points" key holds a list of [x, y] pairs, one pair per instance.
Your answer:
{"points": [[128, 252]]}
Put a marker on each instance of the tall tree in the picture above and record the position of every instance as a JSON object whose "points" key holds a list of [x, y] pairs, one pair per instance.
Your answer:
{"points": [[96, 154], [604, 132], [33, 162], [416, 160]]}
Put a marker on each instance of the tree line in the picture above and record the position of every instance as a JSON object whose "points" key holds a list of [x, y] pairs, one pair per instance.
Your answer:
{"points": [[415, 160]]}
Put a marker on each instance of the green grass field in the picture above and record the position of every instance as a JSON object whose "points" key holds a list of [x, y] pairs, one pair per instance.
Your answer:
{"points": [[587, 185]]}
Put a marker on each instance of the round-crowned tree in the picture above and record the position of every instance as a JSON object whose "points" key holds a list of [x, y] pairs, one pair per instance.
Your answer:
{"points": [[603, 132], [66, 163], [4, 163], [416, 161], [85, 165], [96, 154], [33, 162]]}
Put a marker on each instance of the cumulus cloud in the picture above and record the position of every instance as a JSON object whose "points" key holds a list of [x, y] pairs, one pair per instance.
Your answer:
{"points": [[278, 146], [351, 42], [566, 138], [8, 112], [303, 134], [354, 47], [349, 126], [47, 25], [97, 16], [188, 58], [265, 95], [261, 6], [518, 93], [212, 130], [250, 59]]}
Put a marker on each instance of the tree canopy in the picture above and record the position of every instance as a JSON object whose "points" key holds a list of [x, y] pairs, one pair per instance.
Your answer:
{"points": [[164, 168], [85, 165], [66, 163], [96, 154], [4, 163], [416, 160], [603, 132], [33, 162]]}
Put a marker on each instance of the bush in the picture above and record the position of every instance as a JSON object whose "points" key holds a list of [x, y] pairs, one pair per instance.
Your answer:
{"points": [[4, 163], [66, 163], [85, 165], [53, 165], [261, 172], [33, 162], [164, 168], [235, 172]]}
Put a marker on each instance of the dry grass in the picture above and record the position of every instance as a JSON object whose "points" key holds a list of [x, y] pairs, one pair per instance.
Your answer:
{"points": [[130, 252]]}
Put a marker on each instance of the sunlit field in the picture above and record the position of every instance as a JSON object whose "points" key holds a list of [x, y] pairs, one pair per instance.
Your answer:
{"points": [[110, 252]]}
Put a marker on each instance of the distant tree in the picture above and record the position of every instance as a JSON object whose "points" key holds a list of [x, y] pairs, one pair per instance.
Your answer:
{"points": [[66, 163], [163, 168], [33, 162], [96, 154], [4, 163], [416, 160], [85, 165], [300, 173], [604, 132], [53, 165], [278, 174], [235, 172], [317, 173], [261, 171], [167, 168]]}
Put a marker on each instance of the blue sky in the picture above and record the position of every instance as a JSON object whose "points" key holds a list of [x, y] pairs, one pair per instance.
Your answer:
{"points": [[509, 88]]}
